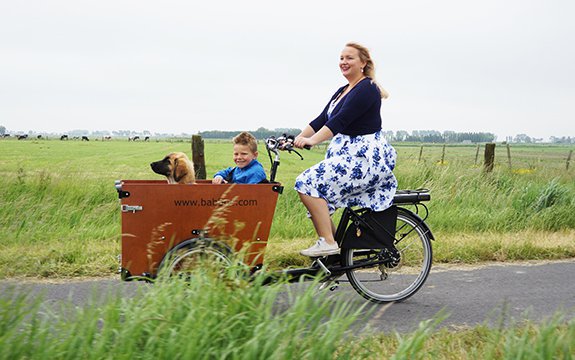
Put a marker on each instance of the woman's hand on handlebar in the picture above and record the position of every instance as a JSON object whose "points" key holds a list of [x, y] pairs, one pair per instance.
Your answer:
{"points": [[306, 142], [301, 142]]}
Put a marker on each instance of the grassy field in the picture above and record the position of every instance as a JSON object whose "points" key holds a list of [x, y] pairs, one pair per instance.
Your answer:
{"points": [[59, 212], [60, 217]]}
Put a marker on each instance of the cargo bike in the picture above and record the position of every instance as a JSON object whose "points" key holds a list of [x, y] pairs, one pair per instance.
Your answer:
{"points": [[385, 256]]}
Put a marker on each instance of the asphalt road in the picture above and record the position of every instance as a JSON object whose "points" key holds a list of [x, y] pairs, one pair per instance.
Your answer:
{"points": [[469, 296]]}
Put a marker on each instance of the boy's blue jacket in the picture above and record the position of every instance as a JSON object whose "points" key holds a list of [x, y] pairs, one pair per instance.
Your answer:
{"points": [[253, 173]]}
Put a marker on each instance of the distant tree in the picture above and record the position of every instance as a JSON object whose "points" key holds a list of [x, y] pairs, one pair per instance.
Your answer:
{"points": [[100, 133], [289, 131], [522, 138], [389, 135], [79, 132], [2, 130], [122, 133], [562, 140], [450, 136], [434, 136], [401, 135], [260, 133]]}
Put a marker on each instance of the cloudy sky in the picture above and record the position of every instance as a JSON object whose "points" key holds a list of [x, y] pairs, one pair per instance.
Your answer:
{"points": [[506, 67]]}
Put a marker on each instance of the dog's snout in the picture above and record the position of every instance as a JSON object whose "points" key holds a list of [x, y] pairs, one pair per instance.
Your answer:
{"points": [[157, 168]]}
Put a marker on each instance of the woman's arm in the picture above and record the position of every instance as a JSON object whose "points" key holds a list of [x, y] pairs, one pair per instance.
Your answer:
{"points": [[306, 132], [323, 134]]}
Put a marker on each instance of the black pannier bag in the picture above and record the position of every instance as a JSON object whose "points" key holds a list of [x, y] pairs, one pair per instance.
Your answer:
{"points": [[372, 230]]}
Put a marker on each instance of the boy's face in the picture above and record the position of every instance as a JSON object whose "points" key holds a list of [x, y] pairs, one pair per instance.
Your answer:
{"points": [[243, 155]]}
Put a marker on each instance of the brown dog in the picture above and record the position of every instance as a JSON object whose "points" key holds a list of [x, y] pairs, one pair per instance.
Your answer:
{"points": [[177, 167]]}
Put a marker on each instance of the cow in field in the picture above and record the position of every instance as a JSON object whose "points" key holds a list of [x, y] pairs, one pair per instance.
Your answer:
{"points": [[64, 137], [85, 138], [147, 138], [22, 137]]}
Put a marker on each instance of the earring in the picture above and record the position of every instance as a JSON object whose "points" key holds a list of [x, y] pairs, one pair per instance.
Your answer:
{"points": [[361, 69]]}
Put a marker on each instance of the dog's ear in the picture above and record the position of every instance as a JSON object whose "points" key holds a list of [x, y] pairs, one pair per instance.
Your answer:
{"points": [[180, 170]]}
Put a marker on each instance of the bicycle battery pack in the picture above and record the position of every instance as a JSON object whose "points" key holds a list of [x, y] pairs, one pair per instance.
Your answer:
{"points": [[371, 230]]}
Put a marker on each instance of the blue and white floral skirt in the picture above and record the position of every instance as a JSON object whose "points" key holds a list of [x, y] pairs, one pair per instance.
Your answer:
{"points": [[356, 171]]}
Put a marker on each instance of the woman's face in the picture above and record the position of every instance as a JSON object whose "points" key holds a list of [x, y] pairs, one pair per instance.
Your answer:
{"points": [[349, 63]]}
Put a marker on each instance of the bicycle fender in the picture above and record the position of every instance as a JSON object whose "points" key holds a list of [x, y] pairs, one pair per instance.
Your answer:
{"points": [[420, 222], [207, 241]]}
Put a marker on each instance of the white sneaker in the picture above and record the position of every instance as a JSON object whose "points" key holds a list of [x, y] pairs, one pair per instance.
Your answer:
{"points": [[321, 248]]}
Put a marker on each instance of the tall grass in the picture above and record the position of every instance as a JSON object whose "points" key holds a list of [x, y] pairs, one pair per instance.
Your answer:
{"points": [[468, 200], [208, 318], [553, 338], [59, 212], [226, 318]]}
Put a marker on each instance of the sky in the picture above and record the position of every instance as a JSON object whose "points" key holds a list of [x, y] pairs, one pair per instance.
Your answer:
{"points": [[500, 66]]}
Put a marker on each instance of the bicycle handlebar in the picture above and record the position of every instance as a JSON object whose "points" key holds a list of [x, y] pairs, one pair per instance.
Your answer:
{"points": [[283, 142]]}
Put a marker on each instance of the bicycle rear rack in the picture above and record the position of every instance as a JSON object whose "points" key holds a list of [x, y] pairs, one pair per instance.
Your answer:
{"points": [[411, 196]]}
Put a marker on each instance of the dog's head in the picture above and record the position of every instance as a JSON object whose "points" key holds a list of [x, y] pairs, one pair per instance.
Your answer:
{"points": [[177, 167]]}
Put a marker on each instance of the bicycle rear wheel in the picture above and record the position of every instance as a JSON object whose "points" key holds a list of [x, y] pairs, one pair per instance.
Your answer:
{"points": [[403, 272]]}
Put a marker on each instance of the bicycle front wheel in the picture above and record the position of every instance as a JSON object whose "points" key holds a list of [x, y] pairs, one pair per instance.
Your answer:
{"points": [[195, 254], [402, 273]]}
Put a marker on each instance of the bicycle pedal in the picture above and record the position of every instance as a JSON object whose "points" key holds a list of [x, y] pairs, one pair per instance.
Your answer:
{"points": [[331, 285], [335, 286]]}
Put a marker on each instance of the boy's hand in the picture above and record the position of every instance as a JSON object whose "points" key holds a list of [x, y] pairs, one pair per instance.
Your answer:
{"points": [[219, 180]]}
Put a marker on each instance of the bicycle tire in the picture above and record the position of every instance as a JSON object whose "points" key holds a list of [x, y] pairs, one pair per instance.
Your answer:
{"points": [[397, 279], [195, 254]]}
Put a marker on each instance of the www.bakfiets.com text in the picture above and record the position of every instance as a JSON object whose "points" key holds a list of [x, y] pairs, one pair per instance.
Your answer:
{"points": [[216, 202]]}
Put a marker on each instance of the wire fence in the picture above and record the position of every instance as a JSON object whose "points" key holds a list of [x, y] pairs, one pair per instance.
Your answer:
{"points": [[514, 157]]}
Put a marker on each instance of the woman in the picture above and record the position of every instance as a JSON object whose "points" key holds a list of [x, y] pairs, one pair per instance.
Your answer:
{"points": [[358, 165]]}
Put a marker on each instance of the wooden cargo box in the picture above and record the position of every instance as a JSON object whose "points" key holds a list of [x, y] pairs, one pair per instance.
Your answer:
{"points": [[156, 216]]}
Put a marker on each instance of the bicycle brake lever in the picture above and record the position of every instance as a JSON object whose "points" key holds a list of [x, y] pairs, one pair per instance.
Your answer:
{"points": [[298, 154]]}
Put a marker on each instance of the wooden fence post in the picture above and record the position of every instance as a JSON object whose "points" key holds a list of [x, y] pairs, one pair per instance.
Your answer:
{"points": [[198, 157], [489, 157], [477, 154], [420, 154], [509, 156], [443, 155], [568, 159]]}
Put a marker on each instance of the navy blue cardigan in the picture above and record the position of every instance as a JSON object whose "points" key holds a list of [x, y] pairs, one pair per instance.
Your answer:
{"points": [[357, 113]]}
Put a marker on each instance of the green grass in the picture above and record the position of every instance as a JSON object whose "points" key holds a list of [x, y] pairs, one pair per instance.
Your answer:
{"points": [[59, 212], [222, 317], [209, 318], [550, 339]]}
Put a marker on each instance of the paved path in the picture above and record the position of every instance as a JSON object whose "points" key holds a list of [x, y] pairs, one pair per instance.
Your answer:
{"points": [[470, 296], [487, 294]]}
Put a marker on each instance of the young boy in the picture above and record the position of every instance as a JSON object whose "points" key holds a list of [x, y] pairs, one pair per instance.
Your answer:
{"points": [[248, 169]]}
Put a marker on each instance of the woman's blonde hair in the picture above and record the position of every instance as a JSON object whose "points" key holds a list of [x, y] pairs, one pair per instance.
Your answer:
{"points": [[369, 68]]}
